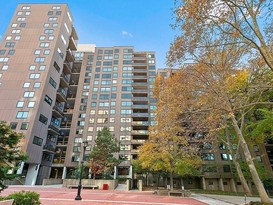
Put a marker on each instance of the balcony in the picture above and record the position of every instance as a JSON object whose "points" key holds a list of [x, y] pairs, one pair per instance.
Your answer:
{"points": [[61, 95], [53, 129], [139, 114], [139, 77], [140, 123], [140, 106], [64, 80], [139, 84], [72, 44], [49, 148], [67, 67], [69, 55], [145, 99], [139, 70], [65, 125], [139, 58], [139, 132], [138, 141], [58, 110]]}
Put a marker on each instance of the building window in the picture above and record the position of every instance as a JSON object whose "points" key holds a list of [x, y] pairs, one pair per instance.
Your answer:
{"points": [[11, 52], [55, 25], [10, 44], [28, 94], [42, 67], [4, 60], [26, 85], [13, 125], [16, 31], [66, 27], [2, 52], [48, 100], [42, 38], [44, 45], [207, 156], [49, 13], [5, 67], [226, 157], [58, 13], [46, 25], [46, 51], [43, 119], [226, 168], [19, 13], [24, 126], [25, 7], [22, 115], [27, 13], [17, 38], [52, 19], [60, 53], [21, 19], [39, 60], [48, 31], [57, 67], [51, 38], [37, 141], [37, 52], [34, 76], [37, 85], [20, 104], [31, 104]]}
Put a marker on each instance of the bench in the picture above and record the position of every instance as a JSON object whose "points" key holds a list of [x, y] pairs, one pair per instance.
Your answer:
{"points": [[180, 193], [92, 186]]}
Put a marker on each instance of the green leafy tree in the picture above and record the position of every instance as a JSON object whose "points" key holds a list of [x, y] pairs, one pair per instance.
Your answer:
{"points": [[10, 153], [102, 156]]}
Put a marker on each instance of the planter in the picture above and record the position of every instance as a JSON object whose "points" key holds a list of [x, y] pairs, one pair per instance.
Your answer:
{"points": [[7, 202]]}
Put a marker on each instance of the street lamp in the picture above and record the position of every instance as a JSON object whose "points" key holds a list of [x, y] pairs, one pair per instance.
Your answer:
{"points": [[78, 197]]}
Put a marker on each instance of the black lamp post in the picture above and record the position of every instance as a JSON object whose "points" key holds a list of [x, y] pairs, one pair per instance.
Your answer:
{"points": [[78, 197]]}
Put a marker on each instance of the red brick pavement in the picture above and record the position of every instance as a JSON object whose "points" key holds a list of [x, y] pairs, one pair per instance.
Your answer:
{"points": [[64, 196]]}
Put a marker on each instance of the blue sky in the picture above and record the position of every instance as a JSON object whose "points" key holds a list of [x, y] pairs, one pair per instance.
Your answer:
{"points": [[144, 24]]}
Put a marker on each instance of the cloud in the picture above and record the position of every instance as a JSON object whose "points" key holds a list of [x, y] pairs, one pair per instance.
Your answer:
{"points": [[126, 33]]}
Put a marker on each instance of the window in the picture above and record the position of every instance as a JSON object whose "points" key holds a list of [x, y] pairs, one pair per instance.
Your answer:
{"points": [[42, 67], [48, 100], [42, 38], [17, 38], [13, 125], [55, 25], [22, 115], [94, 96], [26, 85], [60, 53], [8, 38], [126, 103], [66, 27], [63, 39], [56, 7], [226, 168], [226, 157], [5, 67], [46, 25], [39, 60], [11, 52], [19, 13], [46, 51], [25, 7], [207, 156], [31, 104], [106, 75], [51, 38], [48, 31], [14, 25], [125, 112], [10, 44], [22, 25], [4, 60], [107, 63], [37, 141], [37, 52], [126, 96], [16, 31], [44, 45], [24, 126], [27, 13], [28, 94], [52, 18], [58, 13], [34, 76], [57, 67], [21, 19], [43, 119]]}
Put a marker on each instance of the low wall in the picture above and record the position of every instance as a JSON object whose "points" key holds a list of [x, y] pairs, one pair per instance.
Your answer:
{"points": [[112, 184], [52, 181]]}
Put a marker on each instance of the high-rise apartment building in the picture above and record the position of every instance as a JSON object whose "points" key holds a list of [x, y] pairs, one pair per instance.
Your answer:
{"points": [[114, 90], [59, 97], [35, 69]]}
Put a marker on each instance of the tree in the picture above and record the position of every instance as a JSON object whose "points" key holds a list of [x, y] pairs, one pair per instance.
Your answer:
{"points": [[10, 153], [166, 150], [102, 155], [246, 23]]}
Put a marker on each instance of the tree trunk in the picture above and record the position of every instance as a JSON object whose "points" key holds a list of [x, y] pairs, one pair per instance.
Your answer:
{"points": [[238, 168], [255, 177], [171, 180]]}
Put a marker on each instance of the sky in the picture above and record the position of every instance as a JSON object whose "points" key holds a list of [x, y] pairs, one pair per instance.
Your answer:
{"points": [[144, 24]]}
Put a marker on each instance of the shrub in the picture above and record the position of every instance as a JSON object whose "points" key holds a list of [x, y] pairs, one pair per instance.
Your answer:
{"points": [[25, 198], [259, 203]]}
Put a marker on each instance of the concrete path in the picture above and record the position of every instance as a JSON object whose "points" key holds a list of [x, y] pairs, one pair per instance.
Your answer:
{"points": [[51, 195], [121, 187]]}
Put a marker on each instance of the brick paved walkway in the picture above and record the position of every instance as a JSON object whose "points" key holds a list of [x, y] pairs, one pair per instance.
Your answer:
{"points": [[64, 196]]}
